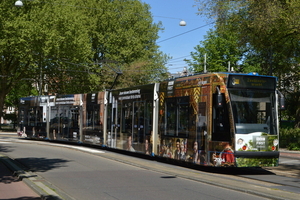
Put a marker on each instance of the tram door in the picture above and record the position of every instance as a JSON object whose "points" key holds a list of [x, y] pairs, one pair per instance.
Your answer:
{"points": [[138, 122], [93, 124], [74, 124], [64, 123], [221, 127], [114, 118], [109, 122]]}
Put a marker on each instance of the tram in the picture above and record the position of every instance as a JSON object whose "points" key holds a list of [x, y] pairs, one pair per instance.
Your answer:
{"points": [[211, 119]]}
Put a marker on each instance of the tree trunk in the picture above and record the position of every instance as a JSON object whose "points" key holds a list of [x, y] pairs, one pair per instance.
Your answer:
{"points": [[3, 94]]}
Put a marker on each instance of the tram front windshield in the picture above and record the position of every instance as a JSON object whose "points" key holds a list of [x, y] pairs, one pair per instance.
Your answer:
{"points": [[253, 111]]}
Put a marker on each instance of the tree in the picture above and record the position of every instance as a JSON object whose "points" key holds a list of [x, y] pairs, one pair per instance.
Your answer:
{"points": [[122, 35], [12, 100], [34, 37], [221, 50], [269, 29], [73, 47]]}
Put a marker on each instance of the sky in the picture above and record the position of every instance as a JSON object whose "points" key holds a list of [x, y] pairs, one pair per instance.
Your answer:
{"points": [[170, 13]]}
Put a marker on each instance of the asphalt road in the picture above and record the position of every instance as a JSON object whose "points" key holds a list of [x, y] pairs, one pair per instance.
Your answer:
{"points": [[83, 173]]}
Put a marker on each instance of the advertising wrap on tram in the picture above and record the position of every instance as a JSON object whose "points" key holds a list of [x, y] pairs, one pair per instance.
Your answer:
{"points": [[211, 119]]}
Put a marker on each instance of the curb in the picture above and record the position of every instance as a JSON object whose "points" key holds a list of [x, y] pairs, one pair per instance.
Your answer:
{"points": [[45, 190]]}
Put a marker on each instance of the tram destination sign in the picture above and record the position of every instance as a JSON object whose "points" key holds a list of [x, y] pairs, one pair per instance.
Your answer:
{"points": [[251, 82], [134, 93]]}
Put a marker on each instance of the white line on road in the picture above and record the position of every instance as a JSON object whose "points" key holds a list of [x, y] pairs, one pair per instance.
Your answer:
{"points": [[52, 144]]}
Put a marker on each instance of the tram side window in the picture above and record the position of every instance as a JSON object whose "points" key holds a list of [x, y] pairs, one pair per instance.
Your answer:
{"points": [[32, 117], [148, 118], [221, 127], [93, 118], [108, 119], [74, 118], [21, 113], [183, 116], [171, 116], [126, 118], [177, 116]]}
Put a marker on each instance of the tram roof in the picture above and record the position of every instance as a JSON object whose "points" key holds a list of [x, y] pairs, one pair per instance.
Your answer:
{"points": [[225, 73]]}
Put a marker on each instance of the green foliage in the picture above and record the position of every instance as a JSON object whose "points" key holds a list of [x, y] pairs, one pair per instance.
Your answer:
{"points": [[122, 35], [77, 46], [267, 33], [292, 96], [289, 138], [222, 50], [294, 146], [257, 162], [219, 49]]}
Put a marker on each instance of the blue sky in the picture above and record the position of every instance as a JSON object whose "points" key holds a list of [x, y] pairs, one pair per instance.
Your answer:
{"points": [[170, 13]]}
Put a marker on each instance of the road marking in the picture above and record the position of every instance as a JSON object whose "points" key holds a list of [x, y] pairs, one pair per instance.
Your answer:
{"points": [[78, 148], [8, 133], [6, 141]]}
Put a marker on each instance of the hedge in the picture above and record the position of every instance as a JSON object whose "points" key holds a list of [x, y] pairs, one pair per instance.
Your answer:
{"points": [[289, 138]]}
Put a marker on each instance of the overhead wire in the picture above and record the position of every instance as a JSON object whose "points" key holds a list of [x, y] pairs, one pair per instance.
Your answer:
{"points": [[173, 59], [180, 57], [184, 33]]}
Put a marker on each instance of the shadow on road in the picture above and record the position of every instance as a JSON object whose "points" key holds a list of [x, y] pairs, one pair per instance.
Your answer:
{"points": [[220, 170], [287, 170], [41, 164], [6, 149]]}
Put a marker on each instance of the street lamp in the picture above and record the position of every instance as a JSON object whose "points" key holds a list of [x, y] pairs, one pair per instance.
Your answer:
{"points": [[19, 3], [182, 23]]}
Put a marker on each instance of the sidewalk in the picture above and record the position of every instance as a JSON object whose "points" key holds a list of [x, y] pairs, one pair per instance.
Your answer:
{"points": [[17, 184], [12, 188], [289, 154]]}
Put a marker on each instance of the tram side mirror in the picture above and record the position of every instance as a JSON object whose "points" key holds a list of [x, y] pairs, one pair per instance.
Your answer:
{"points": [[219, 101], [281, 100], [281, 103]]}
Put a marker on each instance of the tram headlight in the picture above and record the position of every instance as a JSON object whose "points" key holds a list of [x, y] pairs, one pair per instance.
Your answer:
{"points": [[275, 142]]}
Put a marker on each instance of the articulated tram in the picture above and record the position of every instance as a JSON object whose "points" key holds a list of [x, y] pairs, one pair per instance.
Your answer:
{"points": [[211, 119]]}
